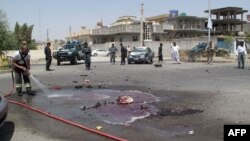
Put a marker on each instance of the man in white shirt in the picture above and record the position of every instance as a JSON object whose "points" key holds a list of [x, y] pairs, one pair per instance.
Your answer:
{"points": [[241, 52]]}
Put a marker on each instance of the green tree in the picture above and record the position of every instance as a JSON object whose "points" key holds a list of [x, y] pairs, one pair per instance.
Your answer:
{"points": [[248, 38], [24, 33], [229, 42], [7, 39]]}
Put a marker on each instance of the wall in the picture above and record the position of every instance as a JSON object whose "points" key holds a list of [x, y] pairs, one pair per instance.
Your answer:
{"points": [[185, 44]]}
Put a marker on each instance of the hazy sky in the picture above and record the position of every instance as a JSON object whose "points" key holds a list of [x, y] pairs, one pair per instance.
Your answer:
{"points": [[58, 15]]}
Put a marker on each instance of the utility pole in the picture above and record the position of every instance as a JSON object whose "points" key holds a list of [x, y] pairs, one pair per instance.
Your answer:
{"points": [[209, 18], [70, 34], [39, 20], [47, 35], [141, 33]]}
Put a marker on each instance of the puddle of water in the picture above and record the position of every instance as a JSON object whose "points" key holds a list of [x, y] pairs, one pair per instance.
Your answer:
{"points": [[103, 104]]}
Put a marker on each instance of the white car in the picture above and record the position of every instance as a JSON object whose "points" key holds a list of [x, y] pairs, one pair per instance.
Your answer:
{"points": [[100, 52]]}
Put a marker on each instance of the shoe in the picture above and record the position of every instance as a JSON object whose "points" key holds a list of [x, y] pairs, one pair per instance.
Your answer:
{"points": [[31, 93], [242, 67]]}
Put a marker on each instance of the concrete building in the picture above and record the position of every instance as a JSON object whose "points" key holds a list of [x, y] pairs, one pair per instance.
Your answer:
{"points": [[186, 26], [228, 20], [164, 27], [125, 29], [83, 35]]}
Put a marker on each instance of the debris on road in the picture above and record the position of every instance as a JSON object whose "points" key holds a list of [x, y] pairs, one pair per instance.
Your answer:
{"points": [[191, 132], [178, 112], [124, 99], [98, 127], [87, 84]]}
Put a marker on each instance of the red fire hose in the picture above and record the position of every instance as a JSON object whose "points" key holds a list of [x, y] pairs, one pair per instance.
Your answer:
{"points": [[57, 117]]}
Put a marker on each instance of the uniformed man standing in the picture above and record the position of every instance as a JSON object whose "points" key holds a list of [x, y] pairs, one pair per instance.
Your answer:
{"points": [[21, 66], [123, 54], [87, 51], [210, 52], [113, 51], [48, 57], [160, 57]]}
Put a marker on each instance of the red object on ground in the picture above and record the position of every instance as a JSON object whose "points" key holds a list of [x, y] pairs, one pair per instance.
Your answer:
{"points": [[57, 87], [124, 99]]}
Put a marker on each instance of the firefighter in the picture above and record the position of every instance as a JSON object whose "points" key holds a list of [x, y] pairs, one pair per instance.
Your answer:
{"points": [[87, 51], [21, 66]]}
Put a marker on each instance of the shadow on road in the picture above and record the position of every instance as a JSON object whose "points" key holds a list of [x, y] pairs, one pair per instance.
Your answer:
{"points": [[7, 131]]}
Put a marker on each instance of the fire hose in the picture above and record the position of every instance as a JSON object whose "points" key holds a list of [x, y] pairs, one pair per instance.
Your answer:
{"points": [[58, 117]]}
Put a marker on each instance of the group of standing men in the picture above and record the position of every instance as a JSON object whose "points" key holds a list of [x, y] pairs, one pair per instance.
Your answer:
{"points": [[113, 51]]}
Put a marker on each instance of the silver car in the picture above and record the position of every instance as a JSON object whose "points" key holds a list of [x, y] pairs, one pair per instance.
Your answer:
{"points": [[3, 110], [141, 55]]}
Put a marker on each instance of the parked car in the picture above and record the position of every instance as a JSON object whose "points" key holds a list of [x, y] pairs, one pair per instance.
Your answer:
{"points": [[100, 52], [201, 47], [69, 52], [3, 110], [141, 55]]}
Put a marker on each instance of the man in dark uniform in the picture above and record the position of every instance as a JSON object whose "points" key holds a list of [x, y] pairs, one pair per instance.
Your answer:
{"points": [[160, 57], [48, 57], [87, 51], [123, 54], [21, 66], [113, 51]]}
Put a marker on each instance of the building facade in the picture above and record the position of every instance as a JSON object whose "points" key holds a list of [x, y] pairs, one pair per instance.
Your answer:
{"points": [[228, 20]]}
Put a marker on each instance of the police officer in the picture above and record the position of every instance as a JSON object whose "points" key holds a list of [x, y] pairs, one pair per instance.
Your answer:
{"points": [[113, 51], [160, 57], [48, 57], [87, 51], [21, 66], [123, 54]]}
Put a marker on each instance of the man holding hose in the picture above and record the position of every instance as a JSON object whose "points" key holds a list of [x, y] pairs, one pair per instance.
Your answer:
{"points": [[21, 67]]}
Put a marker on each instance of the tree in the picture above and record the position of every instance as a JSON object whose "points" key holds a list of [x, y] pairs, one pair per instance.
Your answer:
{"points": [[24, 33], [7, 39], [229, 41]]}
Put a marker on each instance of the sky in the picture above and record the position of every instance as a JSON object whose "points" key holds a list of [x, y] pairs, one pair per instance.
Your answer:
{"points": [[58, 15]]}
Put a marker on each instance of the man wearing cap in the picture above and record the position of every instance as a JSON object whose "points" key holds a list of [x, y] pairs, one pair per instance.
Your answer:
{"points": [[21, 67]]}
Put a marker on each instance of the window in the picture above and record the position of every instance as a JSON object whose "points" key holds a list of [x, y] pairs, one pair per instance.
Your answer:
{"points": [[120, 39], [157, 38], [135, 38]]}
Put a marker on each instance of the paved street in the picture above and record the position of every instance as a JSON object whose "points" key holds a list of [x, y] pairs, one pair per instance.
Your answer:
{"points": [[194, 101]]}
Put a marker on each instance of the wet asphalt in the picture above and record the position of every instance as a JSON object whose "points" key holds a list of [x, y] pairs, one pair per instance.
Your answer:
{"points": [[195, 101]]}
